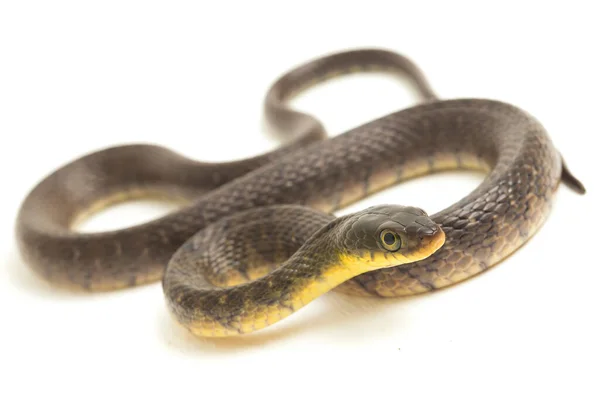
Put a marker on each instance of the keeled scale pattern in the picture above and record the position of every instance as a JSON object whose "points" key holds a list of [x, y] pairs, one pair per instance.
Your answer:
{"points": [[239, 249], [484, 227], [481, 229]]}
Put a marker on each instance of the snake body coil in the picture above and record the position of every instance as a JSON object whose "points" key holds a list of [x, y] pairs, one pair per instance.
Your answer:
{"points": [[245, 218]]}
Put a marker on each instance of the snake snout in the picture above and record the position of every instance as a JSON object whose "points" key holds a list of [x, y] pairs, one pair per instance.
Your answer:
{"points": [[424, 243], [433, 239]]}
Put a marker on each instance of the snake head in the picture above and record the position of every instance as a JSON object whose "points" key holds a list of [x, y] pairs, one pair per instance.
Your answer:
{"points": [[388, 235]]}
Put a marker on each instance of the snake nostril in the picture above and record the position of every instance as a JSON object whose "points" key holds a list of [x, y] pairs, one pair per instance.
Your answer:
{"points": [[430, 232]]}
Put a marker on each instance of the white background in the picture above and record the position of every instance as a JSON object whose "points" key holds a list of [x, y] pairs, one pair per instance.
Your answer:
{"points": [[79, 76]]}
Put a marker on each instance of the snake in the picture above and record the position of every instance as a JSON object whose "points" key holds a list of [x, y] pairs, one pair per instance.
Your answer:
{"points": [[255, 240]]}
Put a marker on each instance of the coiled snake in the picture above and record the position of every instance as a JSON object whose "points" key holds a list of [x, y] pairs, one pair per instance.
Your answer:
{"points": [[258, 240]]}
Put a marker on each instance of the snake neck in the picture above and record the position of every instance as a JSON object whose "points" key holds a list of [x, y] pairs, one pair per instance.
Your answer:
{"points": [[315, 269]]}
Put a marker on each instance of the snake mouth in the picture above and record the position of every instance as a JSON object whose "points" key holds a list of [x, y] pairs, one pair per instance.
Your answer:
{"points": [[430, 244], [437, 240]]}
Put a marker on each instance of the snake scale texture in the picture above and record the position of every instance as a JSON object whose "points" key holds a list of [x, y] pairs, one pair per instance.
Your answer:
{"points": [[256, 239]]}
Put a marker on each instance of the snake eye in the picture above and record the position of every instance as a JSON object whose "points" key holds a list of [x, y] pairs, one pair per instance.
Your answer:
{"points": [[390, 240]]}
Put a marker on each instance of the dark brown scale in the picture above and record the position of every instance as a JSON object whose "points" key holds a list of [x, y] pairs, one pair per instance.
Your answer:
{"points": [[324, 252], [481, 229], [199, 265]]}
